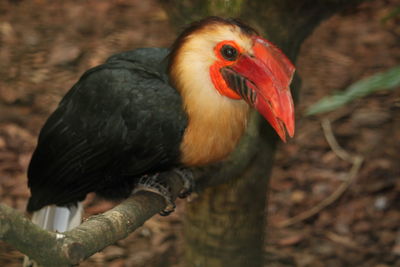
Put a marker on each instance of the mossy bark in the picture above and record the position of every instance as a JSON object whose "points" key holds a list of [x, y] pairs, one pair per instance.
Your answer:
{"points": [[225, 225]]}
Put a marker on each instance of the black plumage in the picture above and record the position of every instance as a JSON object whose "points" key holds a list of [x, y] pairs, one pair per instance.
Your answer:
{"points": [[121, 120]]}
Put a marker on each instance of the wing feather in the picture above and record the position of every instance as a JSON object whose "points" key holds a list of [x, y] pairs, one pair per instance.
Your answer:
{"points": [[120, 121]]}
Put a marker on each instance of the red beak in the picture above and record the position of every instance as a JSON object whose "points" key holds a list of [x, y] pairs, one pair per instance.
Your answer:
{"points": [[263, 81]]}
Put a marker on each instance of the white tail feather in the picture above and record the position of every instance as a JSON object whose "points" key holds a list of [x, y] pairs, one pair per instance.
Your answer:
{"points": [[60, 219], [57, 219]]}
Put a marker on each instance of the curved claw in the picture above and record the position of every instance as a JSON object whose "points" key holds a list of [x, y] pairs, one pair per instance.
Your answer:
{"points": [[151, 183], [187, 178]]}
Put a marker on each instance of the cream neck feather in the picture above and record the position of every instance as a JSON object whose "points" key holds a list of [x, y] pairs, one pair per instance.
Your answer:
{"points": [[216, 122]]}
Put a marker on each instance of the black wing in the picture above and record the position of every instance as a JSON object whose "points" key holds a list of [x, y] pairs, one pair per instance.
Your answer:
{"points": [[121, 120]]}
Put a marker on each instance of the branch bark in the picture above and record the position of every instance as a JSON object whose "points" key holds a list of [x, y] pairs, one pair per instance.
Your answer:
{"points": [[96, 233]]}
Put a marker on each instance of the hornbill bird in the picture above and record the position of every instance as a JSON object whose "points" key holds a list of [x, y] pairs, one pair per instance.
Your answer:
{"points": [[152, 110]]}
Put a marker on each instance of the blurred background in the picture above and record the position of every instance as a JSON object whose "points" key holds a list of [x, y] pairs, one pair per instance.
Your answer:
{"points": [[46, 45]]}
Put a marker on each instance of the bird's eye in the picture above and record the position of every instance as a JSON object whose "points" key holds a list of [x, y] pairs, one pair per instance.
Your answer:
{"points": [[229, 52]]}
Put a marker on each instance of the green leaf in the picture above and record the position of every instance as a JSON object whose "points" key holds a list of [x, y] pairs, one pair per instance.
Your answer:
{"points": [[387, 80], [393, 14]]}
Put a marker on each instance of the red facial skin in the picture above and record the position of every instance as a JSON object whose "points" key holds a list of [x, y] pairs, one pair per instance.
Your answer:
{"points": [[268, 72], [215, 73]]}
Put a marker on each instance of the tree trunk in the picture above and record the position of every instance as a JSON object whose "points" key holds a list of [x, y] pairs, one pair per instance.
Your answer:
{"points": [[225, 225]]}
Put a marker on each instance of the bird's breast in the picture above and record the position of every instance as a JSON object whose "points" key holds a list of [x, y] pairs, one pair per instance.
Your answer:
{"points": [[213, 133]]}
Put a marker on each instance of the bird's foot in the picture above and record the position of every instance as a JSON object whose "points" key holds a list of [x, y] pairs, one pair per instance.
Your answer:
{"points": [[188, 181], [152, 183]]}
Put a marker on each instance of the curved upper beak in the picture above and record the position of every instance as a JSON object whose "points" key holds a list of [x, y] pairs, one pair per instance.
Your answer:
{"points": [[263, 80]]}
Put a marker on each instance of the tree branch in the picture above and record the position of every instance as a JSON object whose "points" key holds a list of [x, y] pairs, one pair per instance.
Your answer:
{"points": [[94, 234]]}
